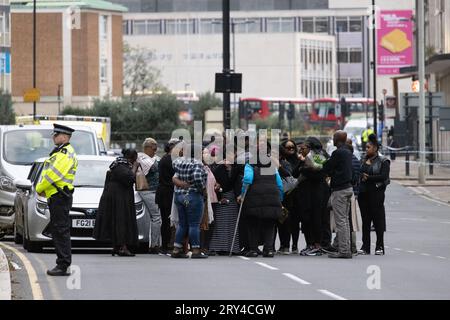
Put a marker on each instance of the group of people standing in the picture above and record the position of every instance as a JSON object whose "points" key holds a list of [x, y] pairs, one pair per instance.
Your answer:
{"points": [[200, 207]]}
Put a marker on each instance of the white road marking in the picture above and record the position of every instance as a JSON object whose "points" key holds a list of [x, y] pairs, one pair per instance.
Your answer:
{"points": [[398, 249], [262, 264], [436, 201], [51, 280], [387, 247], [244, 258], [32, 277], [425, 254], [295, 278], [441, 257], [411, 251], [331, 294]]}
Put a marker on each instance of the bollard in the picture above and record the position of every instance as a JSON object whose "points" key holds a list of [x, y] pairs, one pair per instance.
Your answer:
{"points": [[407, 162]]}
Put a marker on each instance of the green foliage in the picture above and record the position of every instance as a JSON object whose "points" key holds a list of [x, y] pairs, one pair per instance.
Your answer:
{"points": [[156, 115], [7, 115], [205, 102]]}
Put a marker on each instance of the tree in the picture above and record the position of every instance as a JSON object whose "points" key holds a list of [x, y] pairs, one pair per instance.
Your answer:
{"points": [[205, 102], [7, 115], [139, 74]]}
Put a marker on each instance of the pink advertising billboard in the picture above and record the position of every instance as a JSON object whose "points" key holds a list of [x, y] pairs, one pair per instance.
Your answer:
{"points": [[394, 41]]}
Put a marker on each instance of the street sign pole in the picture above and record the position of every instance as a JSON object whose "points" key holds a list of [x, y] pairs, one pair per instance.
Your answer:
{"points": [[421, 63], [226, 61]]}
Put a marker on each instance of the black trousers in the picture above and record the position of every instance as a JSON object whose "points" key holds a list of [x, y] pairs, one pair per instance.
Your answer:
{"points": [[372, 209], [165, 206], [258, 228], [59, 206]]}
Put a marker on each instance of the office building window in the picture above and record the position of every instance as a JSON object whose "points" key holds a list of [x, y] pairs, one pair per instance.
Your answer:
{"points": [[321, 25], [125, 27], [308, 25], [153, 26], [208, 26], [280, 24], [356, 86], [342, 24], [139, 27], [247, 25], [355, 24], [343, 55], [355, 55], [343, 86]]}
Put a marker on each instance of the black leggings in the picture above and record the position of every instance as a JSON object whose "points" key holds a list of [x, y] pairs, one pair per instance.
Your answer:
{"points": [[260, 227]]}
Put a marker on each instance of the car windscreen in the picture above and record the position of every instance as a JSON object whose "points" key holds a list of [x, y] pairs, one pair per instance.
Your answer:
{"points": [[23, 147], [91, 173]]}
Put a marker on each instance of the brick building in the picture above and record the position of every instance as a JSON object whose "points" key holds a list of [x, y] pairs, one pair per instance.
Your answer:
{"points": [[79, 52]]}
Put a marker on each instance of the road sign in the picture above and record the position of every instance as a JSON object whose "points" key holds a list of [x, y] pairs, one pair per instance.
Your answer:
{"points": [[32, 95]]}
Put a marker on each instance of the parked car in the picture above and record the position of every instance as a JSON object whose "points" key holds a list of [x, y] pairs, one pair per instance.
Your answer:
{"points": [[32, 214], [20, 146]]}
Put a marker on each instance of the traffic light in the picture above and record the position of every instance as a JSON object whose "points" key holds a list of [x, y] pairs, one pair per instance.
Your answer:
{"points": [[291, 112], [281, 112], [381, 111]]}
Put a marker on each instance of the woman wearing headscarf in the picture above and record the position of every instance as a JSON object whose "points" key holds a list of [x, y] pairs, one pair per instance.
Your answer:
{"points": [[374, 180], [116, 218]]}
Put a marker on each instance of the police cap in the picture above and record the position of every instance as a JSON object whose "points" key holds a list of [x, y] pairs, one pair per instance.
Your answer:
{"points": [[58, 128]]}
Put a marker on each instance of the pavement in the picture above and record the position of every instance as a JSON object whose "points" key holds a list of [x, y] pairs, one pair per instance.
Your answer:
{"points": [[437, 186], [416, 266]]}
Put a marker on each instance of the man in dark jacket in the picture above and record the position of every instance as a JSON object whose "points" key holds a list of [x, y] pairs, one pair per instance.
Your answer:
{"points": [[339, 168]]}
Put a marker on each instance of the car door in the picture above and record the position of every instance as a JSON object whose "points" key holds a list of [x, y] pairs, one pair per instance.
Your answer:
{"points": [[21, 202], [33, 176]]}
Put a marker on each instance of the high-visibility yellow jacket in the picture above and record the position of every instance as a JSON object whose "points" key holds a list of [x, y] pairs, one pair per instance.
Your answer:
{"points": [[58, 170], [366, 134]]}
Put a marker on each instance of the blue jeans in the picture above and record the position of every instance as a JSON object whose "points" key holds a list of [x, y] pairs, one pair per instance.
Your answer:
{"points": [[190, 211]]}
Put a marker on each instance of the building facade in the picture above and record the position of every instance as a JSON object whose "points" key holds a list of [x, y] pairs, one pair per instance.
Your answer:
{"points": [[5, 46], [79, 53]]}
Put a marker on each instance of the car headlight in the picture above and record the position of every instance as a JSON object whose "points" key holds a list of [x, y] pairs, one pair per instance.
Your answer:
{"points": [[139, 208], [41, 207], [6, 184]]}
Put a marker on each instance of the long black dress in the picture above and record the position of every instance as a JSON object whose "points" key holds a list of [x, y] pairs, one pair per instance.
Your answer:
{"points": [[116, 218]]}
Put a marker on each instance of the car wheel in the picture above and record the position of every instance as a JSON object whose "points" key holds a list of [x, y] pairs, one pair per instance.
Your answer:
{"points": [[143, 247], [34, 247], [18, 238]]}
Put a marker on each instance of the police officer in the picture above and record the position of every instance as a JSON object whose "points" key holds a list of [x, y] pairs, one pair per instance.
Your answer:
{"points": [[365, 137], [57, 184]]}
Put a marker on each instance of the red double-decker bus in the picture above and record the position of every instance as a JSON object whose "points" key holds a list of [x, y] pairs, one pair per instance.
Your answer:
{"points": [[297, 110], [329, 112]]}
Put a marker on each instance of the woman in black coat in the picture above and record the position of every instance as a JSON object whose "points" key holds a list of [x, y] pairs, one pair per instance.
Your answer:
{"points": [[374, 180], [116, 218]]}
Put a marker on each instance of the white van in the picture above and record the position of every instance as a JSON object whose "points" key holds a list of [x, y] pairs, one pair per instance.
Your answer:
{"points": [[20, 146]]}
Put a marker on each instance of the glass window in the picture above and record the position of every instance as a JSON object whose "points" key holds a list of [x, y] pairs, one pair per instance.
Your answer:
{"points": [[125, 27], [153, 27], [171, 27], [103, 70], [355, 25], [273, 25], [91, 173], [23, 147], [185, 26], [321, 25], [343, 56], [208, 26], [343, 87], [355, 55], [139, 27], [356, 87], [341, 24], [253, 25], [307, 25], [103, 27], [287, 24]]}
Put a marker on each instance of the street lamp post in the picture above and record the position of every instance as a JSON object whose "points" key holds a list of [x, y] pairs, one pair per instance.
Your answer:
{"points": [[34, 56]]}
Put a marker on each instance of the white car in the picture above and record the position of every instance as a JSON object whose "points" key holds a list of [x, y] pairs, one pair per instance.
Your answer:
{"points": [[33, 216], [355, 128]]}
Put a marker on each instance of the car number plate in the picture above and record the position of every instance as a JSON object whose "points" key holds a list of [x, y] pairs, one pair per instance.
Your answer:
{"points": [[83, 223]]}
